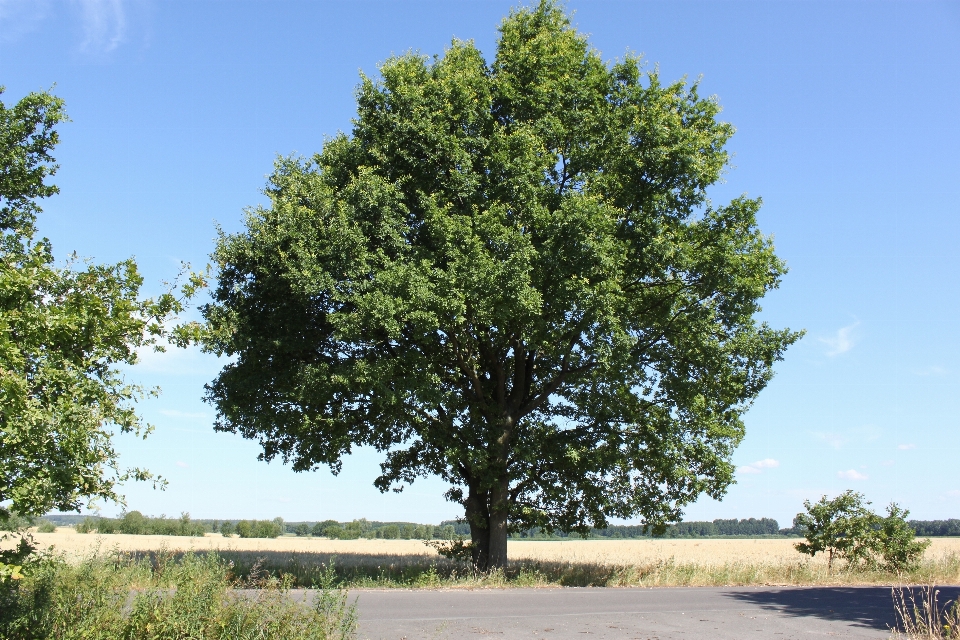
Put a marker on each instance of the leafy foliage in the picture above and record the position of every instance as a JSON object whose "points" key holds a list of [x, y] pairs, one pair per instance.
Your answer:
{"points": [[13, 522], [509, 276], [259, 528], [64, 331], [896, 544], [45, 526], [847, 529]]}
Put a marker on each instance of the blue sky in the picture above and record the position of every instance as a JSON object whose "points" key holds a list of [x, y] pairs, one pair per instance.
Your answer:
{"points": [[847, 126]]}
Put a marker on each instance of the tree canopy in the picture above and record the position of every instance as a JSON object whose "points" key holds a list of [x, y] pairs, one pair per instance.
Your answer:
{"points": [[64, 330], [507, 275]]}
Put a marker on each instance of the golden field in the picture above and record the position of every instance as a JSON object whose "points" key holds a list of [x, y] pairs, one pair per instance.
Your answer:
{"points": [[620, 552], [611, 563]]}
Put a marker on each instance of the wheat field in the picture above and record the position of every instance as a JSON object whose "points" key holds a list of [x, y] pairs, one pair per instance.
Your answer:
{"points": [[615, 552]]}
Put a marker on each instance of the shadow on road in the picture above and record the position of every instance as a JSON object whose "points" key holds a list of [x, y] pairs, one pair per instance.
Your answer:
{"points": [[870, 607]]}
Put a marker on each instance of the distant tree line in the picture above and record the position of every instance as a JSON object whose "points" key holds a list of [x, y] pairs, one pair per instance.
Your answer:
{"points": [[251, 528], [136, 523], [749, 527], [372, 530], [935, 528]]}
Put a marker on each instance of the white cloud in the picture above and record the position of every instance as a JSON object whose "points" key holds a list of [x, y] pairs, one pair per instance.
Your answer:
{"points": [[182, 465], [851, 474], [842, 342], [954, 494], [906, 447], [104, 24], [759, 466], [173, 413]]}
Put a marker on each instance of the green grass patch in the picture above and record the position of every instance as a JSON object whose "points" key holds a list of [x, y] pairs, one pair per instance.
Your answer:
{"points": [[166, 597]]}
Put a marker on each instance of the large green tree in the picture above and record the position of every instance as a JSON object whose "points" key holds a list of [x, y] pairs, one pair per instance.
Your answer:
{"points": [[508, 275], [64, 331]]}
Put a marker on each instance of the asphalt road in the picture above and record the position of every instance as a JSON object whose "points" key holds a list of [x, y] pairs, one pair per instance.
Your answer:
{"points": [[644, 614]]}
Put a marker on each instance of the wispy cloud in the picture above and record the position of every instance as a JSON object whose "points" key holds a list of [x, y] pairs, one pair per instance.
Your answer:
{"points": [[906, 447], [888, 463], [851, 474], [931, 371], [842, 341], [178, 362], [954, 494], [104, 25], [173, 413], [182, 465], [838, 439], [835, 440], [759, 466], [21, 17]]}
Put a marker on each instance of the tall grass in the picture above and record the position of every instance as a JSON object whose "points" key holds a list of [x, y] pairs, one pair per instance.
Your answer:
{"points": [[355, 570], [921, 617], [164, 597]]}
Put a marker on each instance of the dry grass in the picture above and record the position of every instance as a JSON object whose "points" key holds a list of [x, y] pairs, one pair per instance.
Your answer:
{"points": [[922, 617], [73, 544], [409, 563]]}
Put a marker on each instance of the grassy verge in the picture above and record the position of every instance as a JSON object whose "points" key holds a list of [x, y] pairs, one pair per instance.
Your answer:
{"points": [[921, 616], [305, 569], [164, 597]]}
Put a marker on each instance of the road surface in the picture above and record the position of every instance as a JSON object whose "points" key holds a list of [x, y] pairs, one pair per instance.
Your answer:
{"points": [[744, 613]]}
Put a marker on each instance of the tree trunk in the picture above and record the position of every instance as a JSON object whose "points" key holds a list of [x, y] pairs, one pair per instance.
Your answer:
{"points": [[478, 517], [486, 513], [499, 508]]}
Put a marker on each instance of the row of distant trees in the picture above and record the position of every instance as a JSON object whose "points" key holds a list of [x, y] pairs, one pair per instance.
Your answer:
{"points": [[751, 527], [134, 522]]}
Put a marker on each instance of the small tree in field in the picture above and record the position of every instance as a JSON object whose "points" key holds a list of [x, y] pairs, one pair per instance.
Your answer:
{"points": [[847, 529], [898, 547], [842, 528], [509, 276]]}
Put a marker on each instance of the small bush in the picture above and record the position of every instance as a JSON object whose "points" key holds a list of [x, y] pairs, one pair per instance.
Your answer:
{"points": [[13, 522], [45, 526], [259, 528], [895, 541]]}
